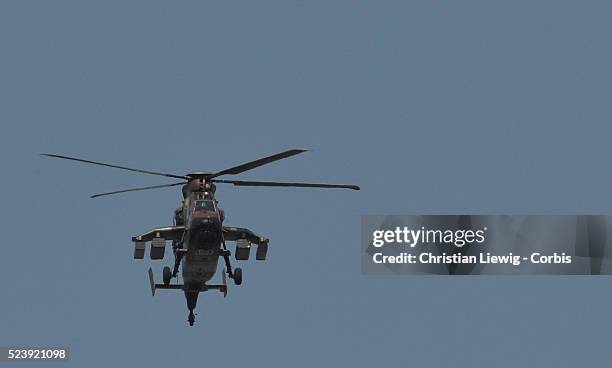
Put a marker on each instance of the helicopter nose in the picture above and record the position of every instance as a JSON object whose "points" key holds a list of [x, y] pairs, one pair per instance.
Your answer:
{"points": [[206, 222], [206, 231]]}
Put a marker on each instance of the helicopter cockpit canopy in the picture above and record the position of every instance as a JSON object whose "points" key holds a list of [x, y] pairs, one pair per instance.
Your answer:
{"points": [[204, 205]]}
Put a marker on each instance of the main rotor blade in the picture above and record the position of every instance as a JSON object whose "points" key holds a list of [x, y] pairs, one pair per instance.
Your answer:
{"points": [[115, 166], [250, 183], [137, 189], [253, 164]]}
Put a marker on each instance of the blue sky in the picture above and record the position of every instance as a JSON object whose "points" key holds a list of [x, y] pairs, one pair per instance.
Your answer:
{"points": [[431, 107]]}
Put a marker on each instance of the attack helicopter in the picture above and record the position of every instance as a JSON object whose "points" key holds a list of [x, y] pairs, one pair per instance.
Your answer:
{"points": [[198, 236]]}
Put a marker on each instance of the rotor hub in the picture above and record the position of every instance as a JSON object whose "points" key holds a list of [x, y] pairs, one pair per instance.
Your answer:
{"points": [[198, 174]]}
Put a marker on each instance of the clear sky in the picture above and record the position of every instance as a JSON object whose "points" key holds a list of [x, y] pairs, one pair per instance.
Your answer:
{"points": [[430, 106]]}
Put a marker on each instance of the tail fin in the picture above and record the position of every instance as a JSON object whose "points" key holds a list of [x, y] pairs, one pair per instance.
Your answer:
{"points": [[151, 281], [224, 284]]}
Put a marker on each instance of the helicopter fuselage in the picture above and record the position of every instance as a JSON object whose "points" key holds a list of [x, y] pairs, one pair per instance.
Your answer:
{"points": [[202, 240]]}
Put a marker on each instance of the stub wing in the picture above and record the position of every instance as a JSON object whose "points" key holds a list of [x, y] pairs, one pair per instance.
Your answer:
{"points": [[231, 233], [244, 238], [168, 233]]}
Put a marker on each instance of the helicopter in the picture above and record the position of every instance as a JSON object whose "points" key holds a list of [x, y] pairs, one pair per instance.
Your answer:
{"points": [[198, 235]]}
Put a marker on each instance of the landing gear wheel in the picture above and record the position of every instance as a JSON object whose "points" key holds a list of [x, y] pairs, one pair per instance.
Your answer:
{"points": [[238, 276], [167, 275]]}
